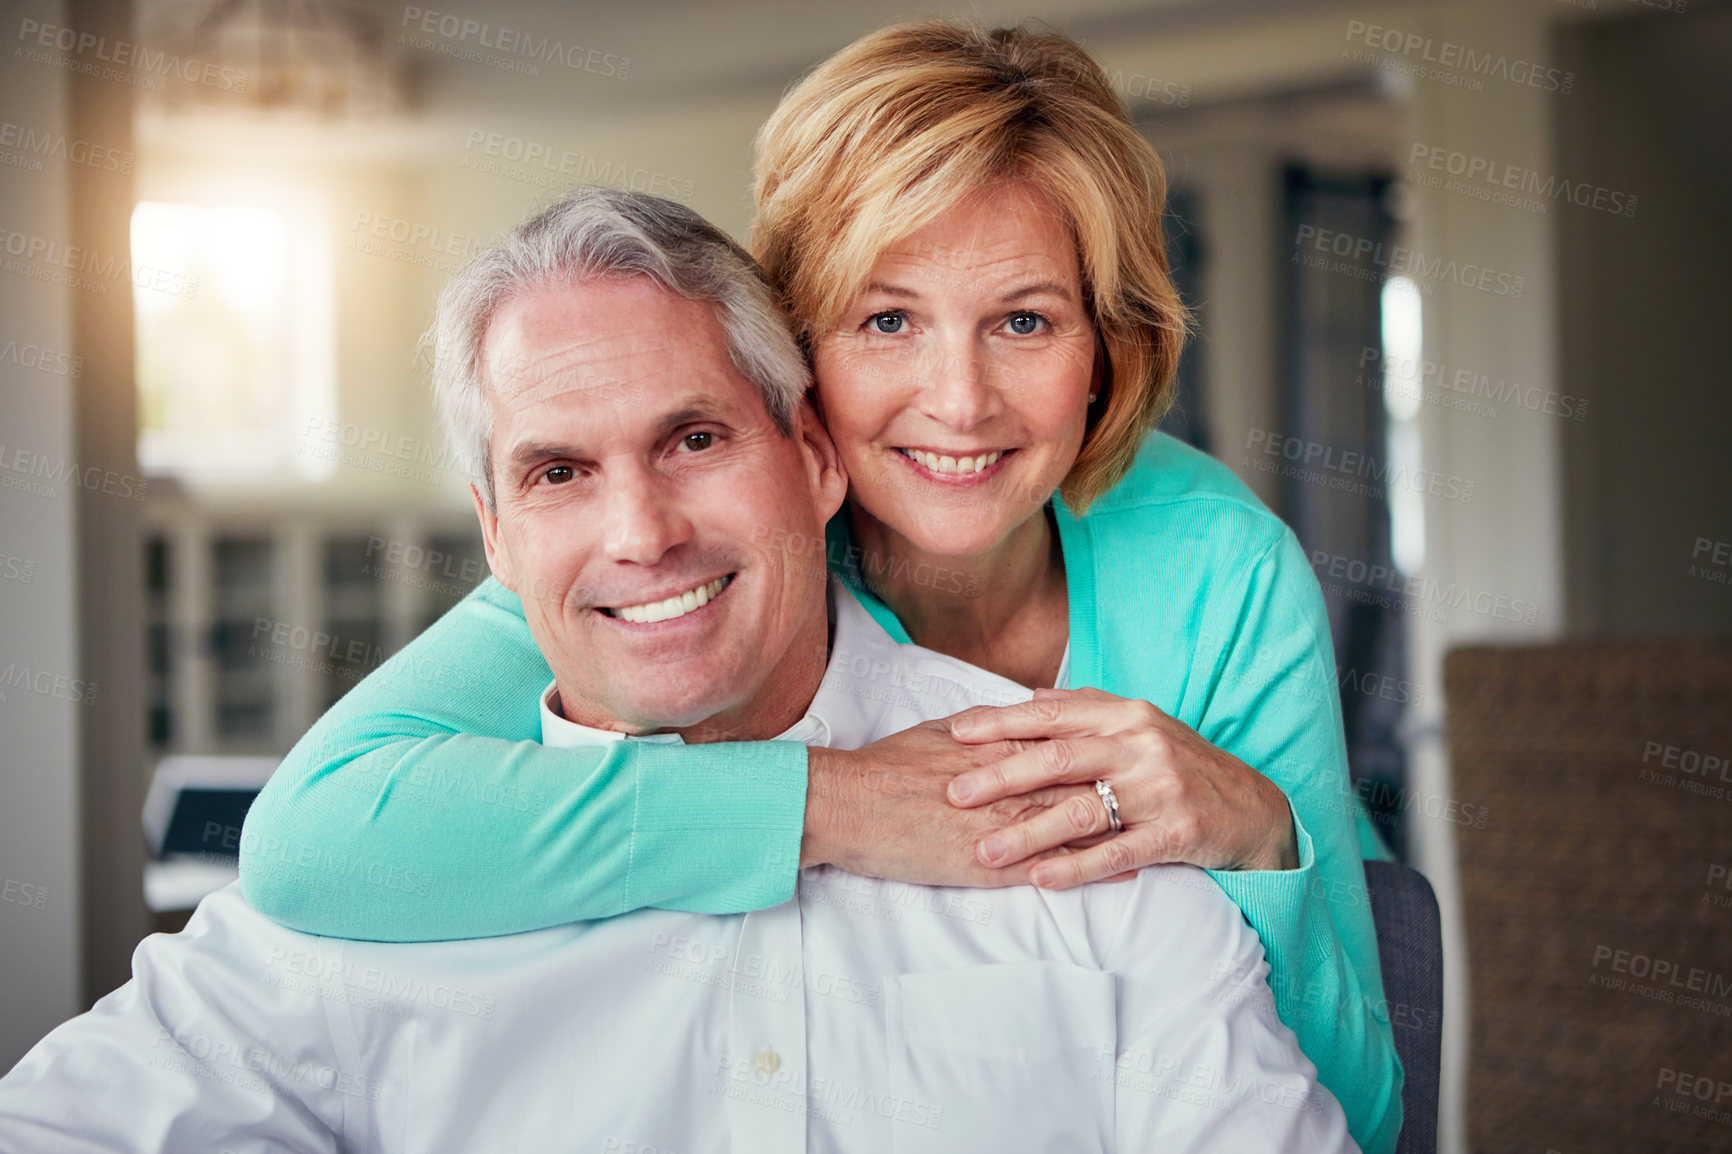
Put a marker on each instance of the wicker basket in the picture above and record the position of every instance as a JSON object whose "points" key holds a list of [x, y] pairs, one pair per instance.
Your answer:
{"points": [[1597, 903]]}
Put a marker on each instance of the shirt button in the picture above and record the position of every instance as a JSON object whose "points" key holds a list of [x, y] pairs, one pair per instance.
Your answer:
{"points": [[768, 1061]]}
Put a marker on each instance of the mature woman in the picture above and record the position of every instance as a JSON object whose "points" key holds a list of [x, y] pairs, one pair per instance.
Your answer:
{"points": [[966, 230]]}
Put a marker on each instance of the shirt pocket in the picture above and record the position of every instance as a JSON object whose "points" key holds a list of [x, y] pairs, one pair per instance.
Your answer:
{"points": [[1004, 1057]]}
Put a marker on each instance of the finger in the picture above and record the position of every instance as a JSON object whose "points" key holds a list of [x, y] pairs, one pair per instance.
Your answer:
{"points": [[1123, 854], [1046, 763], [1079, 816], [1067, 713], [1027, 719], [1016, 874]]}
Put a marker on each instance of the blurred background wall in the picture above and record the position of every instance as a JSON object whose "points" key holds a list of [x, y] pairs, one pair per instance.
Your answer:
{"points": [[1460, 270]]}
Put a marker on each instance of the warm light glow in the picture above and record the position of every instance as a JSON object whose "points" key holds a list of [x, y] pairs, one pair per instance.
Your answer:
{"points": [[1403, 384], [214, 349], [1403, 397], [239, 251]]}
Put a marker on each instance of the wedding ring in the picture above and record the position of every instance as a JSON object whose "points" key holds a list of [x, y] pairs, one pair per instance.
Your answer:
{"points": [[1111, 801]]}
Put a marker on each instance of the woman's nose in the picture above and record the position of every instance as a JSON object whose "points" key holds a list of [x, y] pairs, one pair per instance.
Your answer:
{"points": [[958, 392]]}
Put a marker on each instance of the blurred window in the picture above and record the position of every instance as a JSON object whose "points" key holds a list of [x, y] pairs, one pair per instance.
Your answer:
{"points": [[234, 338], [1333, 407]]}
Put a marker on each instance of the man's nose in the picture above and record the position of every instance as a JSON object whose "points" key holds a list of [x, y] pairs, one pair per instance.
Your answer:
{"points": [[642, 519], [960, 392]]}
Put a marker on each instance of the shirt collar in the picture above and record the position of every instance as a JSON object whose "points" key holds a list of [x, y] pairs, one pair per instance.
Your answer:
{"points": [[836, 717]]}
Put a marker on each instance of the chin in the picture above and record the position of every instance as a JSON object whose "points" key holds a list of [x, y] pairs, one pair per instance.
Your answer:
{"points": [[953, 532], [657, 708]]}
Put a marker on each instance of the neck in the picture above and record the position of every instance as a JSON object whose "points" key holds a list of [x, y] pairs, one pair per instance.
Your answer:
{"points": [[777, 705], [1004, 609]]}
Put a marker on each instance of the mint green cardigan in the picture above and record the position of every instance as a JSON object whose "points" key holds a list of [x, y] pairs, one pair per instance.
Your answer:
{"points": [[423, 807]]}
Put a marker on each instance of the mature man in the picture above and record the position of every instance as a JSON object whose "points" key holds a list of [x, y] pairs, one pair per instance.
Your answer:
{"points": [[648, 455]]}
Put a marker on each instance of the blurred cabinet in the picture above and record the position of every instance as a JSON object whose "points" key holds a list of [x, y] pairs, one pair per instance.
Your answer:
{"points": [[242, 599], [354, 613], [258, 623]]}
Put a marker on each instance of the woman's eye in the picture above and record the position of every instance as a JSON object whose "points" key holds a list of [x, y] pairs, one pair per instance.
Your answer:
{"points": [[558, 475], [886, 322], [697, 442], [1024, 324]]}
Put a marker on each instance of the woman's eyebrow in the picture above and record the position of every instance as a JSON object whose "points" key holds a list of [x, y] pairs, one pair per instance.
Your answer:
{"points": [[889, 290], [1049, 287]]}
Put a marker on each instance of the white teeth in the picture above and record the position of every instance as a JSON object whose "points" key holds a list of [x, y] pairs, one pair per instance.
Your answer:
{"points": [[676, 606], [940, 464]]}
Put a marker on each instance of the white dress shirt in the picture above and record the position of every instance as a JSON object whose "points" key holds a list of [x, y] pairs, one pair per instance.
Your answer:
{"points": [[861, 1016]]}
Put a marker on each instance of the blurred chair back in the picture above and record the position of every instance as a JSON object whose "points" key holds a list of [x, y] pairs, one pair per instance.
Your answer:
{"points": [[1595, 893], [1410, 946]]}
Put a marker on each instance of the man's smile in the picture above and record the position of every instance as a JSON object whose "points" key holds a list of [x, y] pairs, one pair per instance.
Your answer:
{"points": [[668, 608]]}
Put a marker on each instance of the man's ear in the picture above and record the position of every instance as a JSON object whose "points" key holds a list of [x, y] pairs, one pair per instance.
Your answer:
{"points": [[498, 555], [823, 464]]}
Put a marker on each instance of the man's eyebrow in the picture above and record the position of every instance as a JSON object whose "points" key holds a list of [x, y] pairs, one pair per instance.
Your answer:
{"points": [[530, 453], [701, 409]]}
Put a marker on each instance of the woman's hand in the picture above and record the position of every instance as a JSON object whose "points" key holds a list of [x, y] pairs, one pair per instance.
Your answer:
{"points": [[883, 811], [1180, 798]]}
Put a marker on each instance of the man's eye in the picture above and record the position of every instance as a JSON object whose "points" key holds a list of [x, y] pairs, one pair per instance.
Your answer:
{"points": [[1024, 324], [558, 475], [886, 322], [697, 442]]}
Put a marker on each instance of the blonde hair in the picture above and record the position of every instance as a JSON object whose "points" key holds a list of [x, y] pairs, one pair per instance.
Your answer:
{"points": [[904, 123]]}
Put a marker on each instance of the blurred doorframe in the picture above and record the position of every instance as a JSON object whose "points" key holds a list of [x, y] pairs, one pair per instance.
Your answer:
{"points": [[109, 582], [1334, 410]]}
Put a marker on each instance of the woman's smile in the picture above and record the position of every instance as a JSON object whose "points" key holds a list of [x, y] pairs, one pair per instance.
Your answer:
{"points": [[956, 466]]}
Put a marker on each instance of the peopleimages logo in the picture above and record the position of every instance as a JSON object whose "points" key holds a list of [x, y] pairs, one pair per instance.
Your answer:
{"points": [[537, 162], [89, 263], [516, 50], [1355, 472], [1496, 176], [46, 684], [136, 57], [41, 475], [1312, 246], [1433, 381], [417, 235], [1386, 587], [1450, 55], [42, 359], [35, 144]]}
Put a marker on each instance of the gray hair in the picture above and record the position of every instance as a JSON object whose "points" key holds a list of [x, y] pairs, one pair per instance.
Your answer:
{"points": [[597, 234]]}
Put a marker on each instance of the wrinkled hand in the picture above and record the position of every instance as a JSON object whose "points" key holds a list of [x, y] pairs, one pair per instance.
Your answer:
{"points": [[883, 811], [1180, 798]]}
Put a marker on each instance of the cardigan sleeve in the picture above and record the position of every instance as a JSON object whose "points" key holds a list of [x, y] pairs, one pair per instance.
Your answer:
{"points": [[422, 806], [1274, 704]]}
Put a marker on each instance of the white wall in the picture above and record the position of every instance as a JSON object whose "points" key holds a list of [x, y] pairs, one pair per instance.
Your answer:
{"points": [[39, 842], [1644, 307]]}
